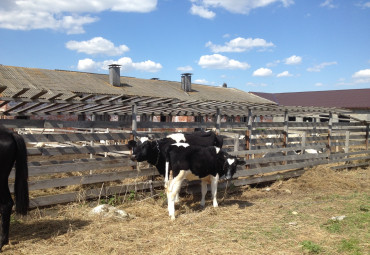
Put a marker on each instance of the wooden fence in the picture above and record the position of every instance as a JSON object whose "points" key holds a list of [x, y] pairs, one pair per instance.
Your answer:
{"points": [[75, 161]]}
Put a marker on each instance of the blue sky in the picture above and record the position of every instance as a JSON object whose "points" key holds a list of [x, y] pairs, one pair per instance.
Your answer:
{"points": [[253, 45]]}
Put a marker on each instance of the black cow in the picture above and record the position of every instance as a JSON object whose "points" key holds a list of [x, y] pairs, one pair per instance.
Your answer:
{"points": [[194, 162], [12, 151]]}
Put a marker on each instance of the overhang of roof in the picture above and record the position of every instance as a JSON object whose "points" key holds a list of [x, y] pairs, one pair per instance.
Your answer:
{"points": [[30, 91]]}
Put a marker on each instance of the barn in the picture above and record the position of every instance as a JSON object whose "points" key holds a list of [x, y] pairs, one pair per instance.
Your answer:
{"points": [[76, 126], [355, 100]]}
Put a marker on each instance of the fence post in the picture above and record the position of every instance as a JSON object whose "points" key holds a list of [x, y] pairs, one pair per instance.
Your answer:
{"points": [[303, 143], [347, 142], [286, 118], [330, 127], [285, 142], [218, 121]]}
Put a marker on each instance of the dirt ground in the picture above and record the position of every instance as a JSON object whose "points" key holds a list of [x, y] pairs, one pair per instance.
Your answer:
{"points": [[286, 217]]}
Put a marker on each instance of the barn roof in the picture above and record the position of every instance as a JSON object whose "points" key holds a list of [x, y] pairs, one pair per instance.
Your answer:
{"points": [[67, 82], [34, 91], [350, 99]]}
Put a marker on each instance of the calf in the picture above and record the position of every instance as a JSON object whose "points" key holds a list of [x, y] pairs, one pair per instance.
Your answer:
{"points": [[194, 162]]}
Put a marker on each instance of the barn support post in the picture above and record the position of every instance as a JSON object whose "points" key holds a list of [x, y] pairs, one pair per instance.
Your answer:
{"points": [[151, 120], [367, 137], [218, 121], [134, 121], [236, 142], [248, 134], [93, 118]]}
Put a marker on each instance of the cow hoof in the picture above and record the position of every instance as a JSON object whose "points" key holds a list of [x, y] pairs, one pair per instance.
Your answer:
{"points": [[173, 218]]}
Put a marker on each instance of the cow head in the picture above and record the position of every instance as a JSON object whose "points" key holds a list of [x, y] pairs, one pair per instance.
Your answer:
{"points": [[140, 151], [230, 165]]}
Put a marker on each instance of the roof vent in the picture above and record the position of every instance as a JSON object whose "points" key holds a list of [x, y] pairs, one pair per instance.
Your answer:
{"points": [[186, 82], [114, 75], [224, 85]]}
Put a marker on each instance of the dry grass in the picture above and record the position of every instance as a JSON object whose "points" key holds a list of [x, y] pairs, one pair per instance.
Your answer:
{"points": [[278, 219]]}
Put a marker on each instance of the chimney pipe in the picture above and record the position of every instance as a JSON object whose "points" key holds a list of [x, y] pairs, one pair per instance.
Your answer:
{"points": [[186, 82], [114, 75]]}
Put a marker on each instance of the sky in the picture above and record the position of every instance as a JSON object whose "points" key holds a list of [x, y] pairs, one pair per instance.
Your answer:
{"points": [[271, 46]]}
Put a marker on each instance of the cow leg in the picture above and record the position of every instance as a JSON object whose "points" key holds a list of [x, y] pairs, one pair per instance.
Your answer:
{"points": [[204, 192], [177, 198], [166, 175], [5, 211], [173, 190], [214, 182]]}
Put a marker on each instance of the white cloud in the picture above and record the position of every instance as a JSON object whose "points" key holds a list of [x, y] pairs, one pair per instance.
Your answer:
{"points": [[87, 64], [362, 76], [126, 63], [293, 60], [97, 45], [240, 45], [185, 68], [202, 12], [252, 84], [201, 81], [274, 63], [366, 5], [318, 68], [319, 84], [63, 15], [217, 61], [284, 74], [262, 72], [328, 3], [240, 6]]}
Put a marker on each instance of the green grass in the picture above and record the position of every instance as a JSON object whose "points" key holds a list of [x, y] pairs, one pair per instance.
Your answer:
{"points": [[311, 247], [350, 246]]}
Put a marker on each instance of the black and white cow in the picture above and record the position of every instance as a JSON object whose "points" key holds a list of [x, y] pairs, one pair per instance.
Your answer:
{"points": [[194, 162], [154, 152]]}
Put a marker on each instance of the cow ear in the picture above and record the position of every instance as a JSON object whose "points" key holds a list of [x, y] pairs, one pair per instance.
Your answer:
{"points": [[131, 144]]}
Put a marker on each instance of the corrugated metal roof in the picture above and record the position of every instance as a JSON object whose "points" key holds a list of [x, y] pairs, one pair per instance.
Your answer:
{"points": [[350, 99], [70, 82]]}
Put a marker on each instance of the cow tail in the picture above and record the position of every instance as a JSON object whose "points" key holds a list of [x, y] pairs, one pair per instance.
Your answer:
{"points": [[21, 176]]}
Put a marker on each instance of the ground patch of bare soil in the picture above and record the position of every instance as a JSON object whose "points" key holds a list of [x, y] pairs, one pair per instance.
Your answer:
{"points": [[287, 217]]}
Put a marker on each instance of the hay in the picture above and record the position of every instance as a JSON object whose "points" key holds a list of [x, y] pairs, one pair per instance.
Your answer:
{"points": [[248, 221]]}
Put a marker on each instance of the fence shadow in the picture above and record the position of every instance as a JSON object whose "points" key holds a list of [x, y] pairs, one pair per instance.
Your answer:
{"points": [[43, 229]]}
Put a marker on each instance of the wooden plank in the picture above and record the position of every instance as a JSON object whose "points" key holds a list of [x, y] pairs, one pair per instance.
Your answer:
{"points": [[350, 166], [77, 165], [63, 124], [269, 169], [87, 179], [268, 178], [74, 137], [286, 158], [91, 194], [76, 150]]}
